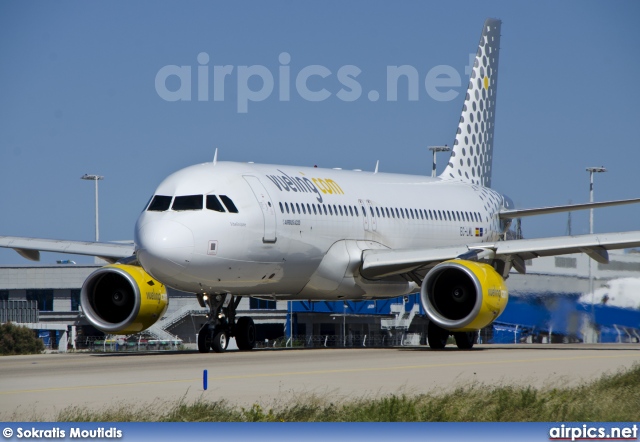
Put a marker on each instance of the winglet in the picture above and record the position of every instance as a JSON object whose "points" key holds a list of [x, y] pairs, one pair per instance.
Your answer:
{"points": [[215, 157], [377, 164]]}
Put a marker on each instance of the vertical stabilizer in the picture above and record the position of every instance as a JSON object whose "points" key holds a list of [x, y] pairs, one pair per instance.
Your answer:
{"points": [[472, 152]]}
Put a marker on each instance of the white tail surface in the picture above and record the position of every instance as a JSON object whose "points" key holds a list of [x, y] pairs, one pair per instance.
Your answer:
{"points": [[472, 153]]}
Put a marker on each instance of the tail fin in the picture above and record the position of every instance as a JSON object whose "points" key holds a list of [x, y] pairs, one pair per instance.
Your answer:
{"points": [[472, 152]]}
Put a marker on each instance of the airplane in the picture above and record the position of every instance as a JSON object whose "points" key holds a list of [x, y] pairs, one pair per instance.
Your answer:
{"points": [[225, 230]]}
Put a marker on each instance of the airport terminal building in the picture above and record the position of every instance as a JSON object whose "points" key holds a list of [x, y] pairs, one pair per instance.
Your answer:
{"points": [[543, 307]]}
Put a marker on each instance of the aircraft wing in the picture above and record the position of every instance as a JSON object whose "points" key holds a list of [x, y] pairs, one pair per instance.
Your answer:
{"points": [[30, 248], [382, 263]]}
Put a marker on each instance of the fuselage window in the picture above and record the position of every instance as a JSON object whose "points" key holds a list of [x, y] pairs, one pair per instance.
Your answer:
{"points": [[439, 215], [346, 212], [287, 206], [213, 203], [309, 208], [228, 204], [298, 207], [315, 212], [430, 214], [364, 212], [402, 213], [160, 203], [351, 210], [304, 209], [324, 208], [330, 209], [188, 202], [412, 214], [281, 208], [335, 209]]}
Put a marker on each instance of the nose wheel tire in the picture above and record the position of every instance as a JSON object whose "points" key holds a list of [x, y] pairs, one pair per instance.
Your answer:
{"points": [[220, 341], [245, 333], [437, 336]]}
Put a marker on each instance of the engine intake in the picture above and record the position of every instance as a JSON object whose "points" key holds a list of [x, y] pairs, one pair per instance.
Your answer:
{"points": [[123, 299], [461, 295]]}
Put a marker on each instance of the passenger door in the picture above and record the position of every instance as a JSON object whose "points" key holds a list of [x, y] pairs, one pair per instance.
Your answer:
{"points": [[266, 205]]}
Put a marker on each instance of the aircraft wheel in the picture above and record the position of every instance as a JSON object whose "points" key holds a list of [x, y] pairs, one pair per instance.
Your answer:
{"points": [[245, 332], [220, 341], [437, 336], [465, 340], [204, 339]]}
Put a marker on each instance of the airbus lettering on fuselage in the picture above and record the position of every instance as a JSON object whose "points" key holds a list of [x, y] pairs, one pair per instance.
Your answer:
{"points": [[318, 186]]}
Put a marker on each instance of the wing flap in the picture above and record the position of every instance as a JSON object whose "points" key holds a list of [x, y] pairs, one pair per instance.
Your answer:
{"points": [[386, 262], [30, 247]]}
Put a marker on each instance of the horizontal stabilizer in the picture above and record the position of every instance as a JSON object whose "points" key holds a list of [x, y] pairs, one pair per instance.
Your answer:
{"points": [[520, 213]]}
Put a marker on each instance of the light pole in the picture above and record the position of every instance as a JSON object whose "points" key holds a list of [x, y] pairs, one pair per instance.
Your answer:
{"points": [[435, 149], [94, 178], [591, 171]]}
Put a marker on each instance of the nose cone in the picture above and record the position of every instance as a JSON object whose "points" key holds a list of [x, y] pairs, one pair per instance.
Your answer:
{"points": [[164, 248]]}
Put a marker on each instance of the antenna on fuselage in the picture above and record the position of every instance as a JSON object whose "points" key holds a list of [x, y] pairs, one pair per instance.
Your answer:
{"points": [[215, 157], [377, 164]]}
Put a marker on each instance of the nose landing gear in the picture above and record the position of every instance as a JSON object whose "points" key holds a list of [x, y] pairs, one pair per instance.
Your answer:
{"points": [[222, 325]]}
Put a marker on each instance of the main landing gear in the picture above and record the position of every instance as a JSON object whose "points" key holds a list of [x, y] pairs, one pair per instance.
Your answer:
{"points": [[438, 336], [222, 325]]}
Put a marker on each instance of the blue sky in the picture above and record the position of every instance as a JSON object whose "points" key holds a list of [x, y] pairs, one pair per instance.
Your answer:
{"points": [[79, 96]]}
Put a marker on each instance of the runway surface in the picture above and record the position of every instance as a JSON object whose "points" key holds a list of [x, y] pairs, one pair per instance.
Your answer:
{"points": [[43, 384]]}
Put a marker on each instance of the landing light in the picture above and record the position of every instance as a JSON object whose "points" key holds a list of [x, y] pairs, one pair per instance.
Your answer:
{"points": [[205, 298]]}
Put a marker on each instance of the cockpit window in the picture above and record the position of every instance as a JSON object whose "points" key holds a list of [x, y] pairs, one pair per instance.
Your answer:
{"points": [[160, 203], [188, 202], [229, 204], [213, 203]]}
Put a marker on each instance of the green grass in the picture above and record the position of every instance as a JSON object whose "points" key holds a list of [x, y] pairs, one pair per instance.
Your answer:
{"points": [[610, 398]]}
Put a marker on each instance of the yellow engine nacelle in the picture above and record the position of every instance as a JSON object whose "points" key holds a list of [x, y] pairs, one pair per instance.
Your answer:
{"points": [[463, 296], [123, 299]]}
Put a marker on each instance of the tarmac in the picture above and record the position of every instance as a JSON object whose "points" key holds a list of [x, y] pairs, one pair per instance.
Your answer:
{"points": [[38, 386]]}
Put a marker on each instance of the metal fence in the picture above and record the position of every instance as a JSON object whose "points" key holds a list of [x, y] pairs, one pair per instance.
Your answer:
{"points": [[354, 341], [106, 344]]}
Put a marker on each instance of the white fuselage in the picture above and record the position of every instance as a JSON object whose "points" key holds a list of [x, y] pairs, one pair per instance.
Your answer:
{"points": [[281, 243]]}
